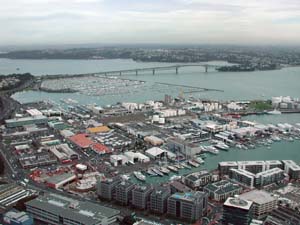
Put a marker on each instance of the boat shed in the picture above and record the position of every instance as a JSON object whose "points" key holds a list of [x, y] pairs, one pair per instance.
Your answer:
{"points": [[156, 153]]}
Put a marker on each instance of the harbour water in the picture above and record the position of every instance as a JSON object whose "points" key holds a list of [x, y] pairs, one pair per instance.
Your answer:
{"points": [[236, 86]]}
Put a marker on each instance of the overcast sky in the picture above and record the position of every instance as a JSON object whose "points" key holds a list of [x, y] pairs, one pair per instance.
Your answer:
{"points": [[149, 21]]}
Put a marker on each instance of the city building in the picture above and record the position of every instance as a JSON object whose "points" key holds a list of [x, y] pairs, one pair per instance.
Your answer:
{"points": [[285, 215], [198, 179], [60, 210], [267, 177], [292, 169], [60, 180], [263, 202], [14, 217], [106, 188], [189, 206], [141, 196], [237, 211], [221, 190], [124, 192], [243, 177], [159, 198], [225, 167], [18, 122], [10, 194], [177, 186]]}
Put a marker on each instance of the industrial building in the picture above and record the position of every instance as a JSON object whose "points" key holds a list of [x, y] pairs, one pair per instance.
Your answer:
{"points": [[63, 152], [124, 192], [237, 211], [189, 206], [141, 196], [221, 190], [263, 202], [198, 179], [41, 159], [159, 198], [106, 188], [58, 181], [14, 217], [60, 210], [19, 122], [10, 194]]}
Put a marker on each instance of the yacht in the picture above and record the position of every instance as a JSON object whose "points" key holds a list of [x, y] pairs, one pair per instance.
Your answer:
{"points": [[139, 176], [199, 160], [173, 169], [175, 177], [222, 146], [150, 172], [164, 170], [274, 112], [194, 164], [186, 166], [155, 170]]}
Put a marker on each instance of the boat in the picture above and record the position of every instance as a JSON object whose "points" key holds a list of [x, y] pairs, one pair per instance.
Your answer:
{"points": [[164, 170], [222, 146], [212, 150], [275, 138], [173, 169], [274, 112], [178, 166], [199, 160], [139, 176], [157, 172], [175, 177], [186, 166], [125, 177], [150, 172], [194, 164]]}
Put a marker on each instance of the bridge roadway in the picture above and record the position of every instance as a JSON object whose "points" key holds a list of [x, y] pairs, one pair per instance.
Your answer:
{"points": [[154, 69]]}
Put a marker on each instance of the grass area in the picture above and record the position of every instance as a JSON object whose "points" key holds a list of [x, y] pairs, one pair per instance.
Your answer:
{"points": [[260, 105]]}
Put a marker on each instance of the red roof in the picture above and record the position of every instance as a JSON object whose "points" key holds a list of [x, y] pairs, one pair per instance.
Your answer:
{"points": [[101, 148], [81, 140]]}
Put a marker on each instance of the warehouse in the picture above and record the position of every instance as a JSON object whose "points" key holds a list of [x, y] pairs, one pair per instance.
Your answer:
{"points": [[18, 122], [156, 153]]}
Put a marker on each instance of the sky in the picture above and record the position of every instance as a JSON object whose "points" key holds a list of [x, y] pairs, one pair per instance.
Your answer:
{"points": [[30, 22]]}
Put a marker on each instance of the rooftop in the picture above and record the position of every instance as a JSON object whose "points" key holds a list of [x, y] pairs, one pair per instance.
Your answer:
{"points": [[82, 211], [258, 196], [238, 203]]}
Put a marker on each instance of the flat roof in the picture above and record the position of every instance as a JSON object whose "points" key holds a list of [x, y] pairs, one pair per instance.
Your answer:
{"points": [[85, 212], [99, 129], [258, 196]]}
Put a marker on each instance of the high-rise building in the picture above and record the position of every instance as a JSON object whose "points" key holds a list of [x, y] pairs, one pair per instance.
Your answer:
{"points": [[159, 198], [189, 206], [124, 192], [141, 196], [237, 211]]}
